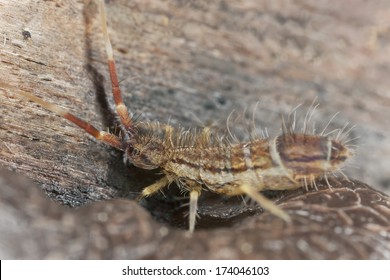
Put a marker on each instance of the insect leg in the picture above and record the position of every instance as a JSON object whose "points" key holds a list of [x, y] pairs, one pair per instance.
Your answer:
{"points": [[264, 202], [123, 112], [153, 188], [195, 190], [194, 194], [103, 136]]}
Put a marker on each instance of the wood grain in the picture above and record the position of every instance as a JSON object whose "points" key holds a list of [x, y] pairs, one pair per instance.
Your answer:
{"points": [[189, 63]]}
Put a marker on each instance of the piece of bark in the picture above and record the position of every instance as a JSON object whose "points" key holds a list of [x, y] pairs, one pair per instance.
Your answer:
{"points": [[349, 221], [190, 64]]}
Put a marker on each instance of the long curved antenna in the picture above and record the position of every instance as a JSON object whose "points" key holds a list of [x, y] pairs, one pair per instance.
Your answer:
{"points": [[123, 112], [100, 135]]}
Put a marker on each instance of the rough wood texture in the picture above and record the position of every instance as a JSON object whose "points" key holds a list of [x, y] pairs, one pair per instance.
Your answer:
{"points": [[187, 62], [347, 222]]}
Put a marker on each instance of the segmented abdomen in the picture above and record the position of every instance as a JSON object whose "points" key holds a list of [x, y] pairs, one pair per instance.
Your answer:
{"points": [[280, 163], [223, 168]]}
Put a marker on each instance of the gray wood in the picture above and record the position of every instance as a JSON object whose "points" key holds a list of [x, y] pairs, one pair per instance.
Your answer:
{"points": [[351, 221], [190, 63]]}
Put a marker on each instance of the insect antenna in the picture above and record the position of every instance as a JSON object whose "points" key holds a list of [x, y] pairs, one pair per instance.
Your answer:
{"points": [[100, 135], [125, 117]]}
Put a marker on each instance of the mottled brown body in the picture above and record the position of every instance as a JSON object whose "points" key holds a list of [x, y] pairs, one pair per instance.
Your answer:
{"points": [[280, 163], [212, 160], [206, 159]]}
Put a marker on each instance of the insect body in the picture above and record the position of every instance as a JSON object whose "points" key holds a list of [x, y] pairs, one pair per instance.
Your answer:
{"points": [[207, 159], [202, 160]]}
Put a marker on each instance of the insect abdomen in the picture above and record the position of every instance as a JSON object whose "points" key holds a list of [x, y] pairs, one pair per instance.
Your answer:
{"points": [[277, 164]]}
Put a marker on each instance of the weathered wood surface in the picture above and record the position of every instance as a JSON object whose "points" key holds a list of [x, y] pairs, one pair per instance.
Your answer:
{"points": [[348, 222], [191, 64]]}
